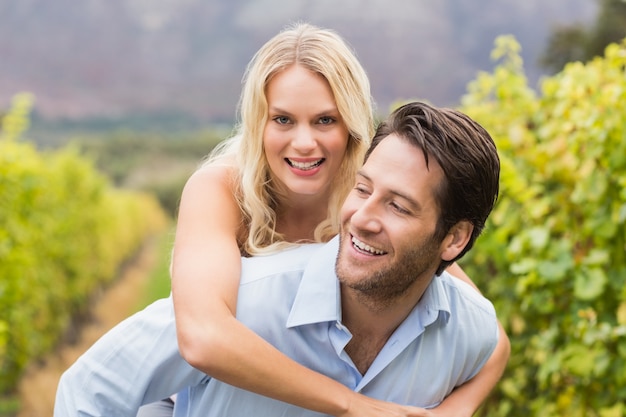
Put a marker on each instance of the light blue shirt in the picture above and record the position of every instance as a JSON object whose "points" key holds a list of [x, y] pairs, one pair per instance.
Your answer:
{"points": [[292, 300]]}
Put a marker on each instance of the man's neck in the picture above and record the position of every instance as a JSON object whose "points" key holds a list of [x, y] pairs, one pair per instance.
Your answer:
{"points": [[372, 322]]}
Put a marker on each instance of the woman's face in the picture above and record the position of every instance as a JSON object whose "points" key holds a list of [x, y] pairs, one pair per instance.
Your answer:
{"points": [[305, 138]]}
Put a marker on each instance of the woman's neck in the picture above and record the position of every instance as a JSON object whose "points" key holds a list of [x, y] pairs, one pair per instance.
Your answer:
{"points": [[298, 223]]}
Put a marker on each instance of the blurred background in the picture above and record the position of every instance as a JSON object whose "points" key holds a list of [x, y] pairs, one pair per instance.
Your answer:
{"points": [[178, 64], [107, 107]]}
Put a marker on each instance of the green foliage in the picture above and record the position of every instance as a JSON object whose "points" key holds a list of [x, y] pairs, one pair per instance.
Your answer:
{"points": [[553, 256], [64, 231], [118, 154], [15, 122], [168, 193], [149, 162]]}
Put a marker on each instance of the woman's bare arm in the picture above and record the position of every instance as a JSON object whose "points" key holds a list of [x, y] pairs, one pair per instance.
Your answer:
{"points": [[205, 278]]}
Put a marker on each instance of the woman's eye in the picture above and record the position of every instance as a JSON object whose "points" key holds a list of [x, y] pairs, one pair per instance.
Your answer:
{"points": [[326, 120], [281, 120], [360, 190]]}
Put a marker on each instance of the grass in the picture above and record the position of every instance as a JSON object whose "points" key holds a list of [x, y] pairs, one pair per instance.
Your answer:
{"points": [[9, 406], [158, 285]]}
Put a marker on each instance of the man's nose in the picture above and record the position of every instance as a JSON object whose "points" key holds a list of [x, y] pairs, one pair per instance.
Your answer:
{"points": [[367, 216]]}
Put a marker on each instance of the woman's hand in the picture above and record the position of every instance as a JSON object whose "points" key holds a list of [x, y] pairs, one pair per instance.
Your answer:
{"points": [[363, 406]]}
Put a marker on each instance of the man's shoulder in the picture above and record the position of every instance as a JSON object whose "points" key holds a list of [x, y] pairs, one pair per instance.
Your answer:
{"points": [[463, 296], [289, 260]]}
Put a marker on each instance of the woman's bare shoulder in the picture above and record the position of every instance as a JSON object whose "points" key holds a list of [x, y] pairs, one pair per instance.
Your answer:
{"points": [[209, 202], [214, 176]]}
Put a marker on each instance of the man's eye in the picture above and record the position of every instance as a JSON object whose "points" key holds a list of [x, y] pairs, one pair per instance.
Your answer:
{"points": [[399, 208]]}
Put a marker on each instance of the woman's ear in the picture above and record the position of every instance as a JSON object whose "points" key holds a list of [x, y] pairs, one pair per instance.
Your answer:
{"points": [[456, 240]]}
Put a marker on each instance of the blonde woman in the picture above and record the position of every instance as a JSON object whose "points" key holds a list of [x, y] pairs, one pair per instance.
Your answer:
{"points": [[306, 119]]}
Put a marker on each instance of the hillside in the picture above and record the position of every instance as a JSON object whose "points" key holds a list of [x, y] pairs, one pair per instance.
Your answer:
{"points": [[113, 59]]}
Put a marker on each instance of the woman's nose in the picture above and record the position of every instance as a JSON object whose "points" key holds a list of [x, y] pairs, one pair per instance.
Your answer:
{"points": [[304, 140]]}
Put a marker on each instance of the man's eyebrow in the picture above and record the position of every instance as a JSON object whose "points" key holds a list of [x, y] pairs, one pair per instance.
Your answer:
{"points": [[410, 200], [361, 173]]}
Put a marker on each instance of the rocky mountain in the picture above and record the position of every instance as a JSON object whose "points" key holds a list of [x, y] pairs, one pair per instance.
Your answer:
{"points": [[116, 58]]}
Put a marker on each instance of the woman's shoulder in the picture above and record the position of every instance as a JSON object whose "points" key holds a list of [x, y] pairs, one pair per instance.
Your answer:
{"points": [[211, 193], [212, 187], [223, 174]]}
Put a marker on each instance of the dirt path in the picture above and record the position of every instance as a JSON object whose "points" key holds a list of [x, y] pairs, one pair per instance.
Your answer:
{"points": [[38, 387]]}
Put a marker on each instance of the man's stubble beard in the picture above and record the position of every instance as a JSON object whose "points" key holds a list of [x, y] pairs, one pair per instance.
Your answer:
{"points": [[379, 289]]}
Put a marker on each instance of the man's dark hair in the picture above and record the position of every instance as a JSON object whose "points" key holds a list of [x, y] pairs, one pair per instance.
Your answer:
{"points": [[465, 152]]}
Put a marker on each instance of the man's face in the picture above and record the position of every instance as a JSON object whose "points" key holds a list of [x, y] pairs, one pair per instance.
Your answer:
{"points": [[388, 222]]}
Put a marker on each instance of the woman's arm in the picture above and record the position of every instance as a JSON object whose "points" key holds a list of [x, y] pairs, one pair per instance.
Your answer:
{"points": [[457, 272], [135, 362], [465, 400], [205, 277]]}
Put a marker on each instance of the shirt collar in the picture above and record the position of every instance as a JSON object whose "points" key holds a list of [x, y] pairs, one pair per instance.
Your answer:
{"points": [[434, 303], [318, 299]]}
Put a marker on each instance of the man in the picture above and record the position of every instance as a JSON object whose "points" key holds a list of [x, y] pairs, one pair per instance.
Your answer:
{"points": [[386, 320]]}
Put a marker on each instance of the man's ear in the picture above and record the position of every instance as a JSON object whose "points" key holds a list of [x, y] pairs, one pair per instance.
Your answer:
{"points": [[456, 240]]}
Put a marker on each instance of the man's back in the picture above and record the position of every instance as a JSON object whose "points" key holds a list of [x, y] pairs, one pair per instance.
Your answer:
{"points": [[292, 300], [443, 342]]}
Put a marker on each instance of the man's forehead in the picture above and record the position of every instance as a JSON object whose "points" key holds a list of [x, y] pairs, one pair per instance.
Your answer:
{"points": [[396, 151], [401, 166]]}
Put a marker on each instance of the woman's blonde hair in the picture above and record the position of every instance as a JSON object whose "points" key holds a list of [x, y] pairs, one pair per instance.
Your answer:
{"points": [[322, 51]]}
